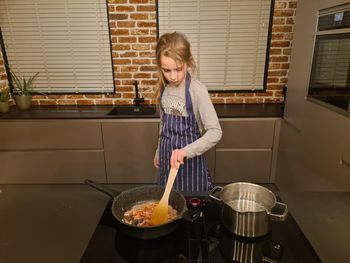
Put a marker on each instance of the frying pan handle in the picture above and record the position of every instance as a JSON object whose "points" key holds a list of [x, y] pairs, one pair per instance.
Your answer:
{"points": [[191, 215], [213, 192], [108, 191]]}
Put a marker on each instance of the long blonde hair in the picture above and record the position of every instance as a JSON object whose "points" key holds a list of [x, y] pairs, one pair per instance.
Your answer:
{"points": [[176, 46]]}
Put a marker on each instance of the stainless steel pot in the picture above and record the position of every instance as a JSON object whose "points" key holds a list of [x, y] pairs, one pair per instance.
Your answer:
{"points": [[246, 209]]}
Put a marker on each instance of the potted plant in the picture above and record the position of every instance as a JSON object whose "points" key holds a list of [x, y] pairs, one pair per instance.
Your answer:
{"points": [[4, 99], [23, 88]]}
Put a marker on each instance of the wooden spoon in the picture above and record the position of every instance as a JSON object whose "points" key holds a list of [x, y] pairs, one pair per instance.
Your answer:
{"points": [[160, 212]]}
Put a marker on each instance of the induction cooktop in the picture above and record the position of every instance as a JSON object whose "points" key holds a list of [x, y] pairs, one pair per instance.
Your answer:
{"points": [[204, 240]]}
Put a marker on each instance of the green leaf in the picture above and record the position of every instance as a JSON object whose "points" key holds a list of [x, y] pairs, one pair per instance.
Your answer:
{"points": [[31, 79], [23, 85], [5, 95], [17, 85]]}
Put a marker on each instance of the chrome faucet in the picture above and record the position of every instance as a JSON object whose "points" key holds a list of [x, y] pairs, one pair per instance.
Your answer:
{"points": [[137, 99]]}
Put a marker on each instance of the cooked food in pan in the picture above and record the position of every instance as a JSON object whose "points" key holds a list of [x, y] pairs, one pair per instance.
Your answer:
{"points": [[140, 213]]}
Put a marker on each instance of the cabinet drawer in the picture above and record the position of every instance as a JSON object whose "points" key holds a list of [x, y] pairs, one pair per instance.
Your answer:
{"points": [[25, 135], [130, 148], [44, 167], [243, 165], [346, 144], [247, 133]]}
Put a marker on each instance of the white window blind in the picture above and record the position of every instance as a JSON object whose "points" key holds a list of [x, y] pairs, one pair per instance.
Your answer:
{"points": [[66, 41], [228, 39]]}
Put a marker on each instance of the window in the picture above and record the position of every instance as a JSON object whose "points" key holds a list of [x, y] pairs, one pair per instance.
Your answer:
{"points": [[229, 39], [66, 41], [330, 70]]}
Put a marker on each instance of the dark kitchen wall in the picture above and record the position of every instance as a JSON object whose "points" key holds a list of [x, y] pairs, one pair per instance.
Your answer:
{"points": [[133, 29]]}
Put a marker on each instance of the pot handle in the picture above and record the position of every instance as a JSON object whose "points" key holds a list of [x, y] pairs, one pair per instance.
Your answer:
{"points": [[191, 215], [213, 192], [279, 217]]}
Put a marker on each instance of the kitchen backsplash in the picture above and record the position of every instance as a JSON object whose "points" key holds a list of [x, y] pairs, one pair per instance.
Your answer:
{"points": [[133, 29]]}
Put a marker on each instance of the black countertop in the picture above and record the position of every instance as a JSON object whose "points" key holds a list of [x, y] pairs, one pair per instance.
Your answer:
{"points": [[47, 223], [101, 112], [54, 223]]}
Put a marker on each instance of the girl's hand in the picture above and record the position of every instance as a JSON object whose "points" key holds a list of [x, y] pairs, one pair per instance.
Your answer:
{"points": [[177, 158], [156, 162]]}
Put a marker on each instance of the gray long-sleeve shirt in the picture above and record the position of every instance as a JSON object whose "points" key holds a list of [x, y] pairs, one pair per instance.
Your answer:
{"points": [[174, 102]]}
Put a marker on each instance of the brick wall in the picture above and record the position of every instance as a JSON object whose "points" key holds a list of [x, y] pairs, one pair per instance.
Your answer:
{"points": [[133, 34]]}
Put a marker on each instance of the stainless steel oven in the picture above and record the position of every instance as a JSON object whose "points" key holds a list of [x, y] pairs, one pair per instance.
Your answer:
{"points": [[330, 71]]}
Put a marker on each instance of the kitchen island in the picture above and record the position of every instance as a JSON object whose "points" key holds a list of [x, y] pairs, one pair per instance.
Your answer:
{"points": [[54, 223]]}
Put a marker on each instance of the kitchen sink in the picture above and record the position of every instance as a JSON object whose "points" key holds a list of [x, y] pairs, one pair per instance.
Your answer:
{"points": [[133, 110]]}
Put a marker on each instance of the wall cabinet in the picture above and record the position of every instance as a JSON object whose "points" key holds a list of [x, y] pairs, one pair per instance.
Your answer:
{"points": [[245, 152], [129, 150]]}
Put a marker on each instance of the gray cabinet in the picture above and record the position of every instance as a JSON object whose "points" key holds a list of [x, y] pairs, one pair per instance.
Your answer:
{"points": [[51, 151], [122, 151], [346, 144], [245, 152], [50, 134], [130, 146], [300, 61], [247, 133], [50, 166], [243, 165]]}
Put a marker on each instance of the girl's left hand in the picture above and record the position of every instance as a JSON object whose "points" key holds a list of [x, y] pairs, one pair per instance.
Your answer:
{"points": [[156, 162], [177, 158]]}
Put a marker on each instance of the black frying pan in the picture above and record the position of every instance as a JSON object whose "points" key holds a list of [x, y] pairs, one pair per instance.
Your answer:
{"points": [[125, 200]]}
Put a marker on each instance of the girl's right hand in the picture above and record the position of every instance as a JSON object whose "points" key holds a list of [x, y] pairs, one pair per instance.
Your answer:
{"points": [[156, 162], [177, 157]]}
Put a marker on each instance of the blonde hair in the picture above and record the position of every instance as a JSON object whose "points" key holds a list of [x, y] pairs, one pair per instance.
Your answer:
{"points": [[176, 46]]}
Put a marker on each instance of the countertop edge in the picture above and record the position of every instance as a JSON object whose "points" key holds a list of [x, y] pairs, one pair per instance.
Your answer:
{"points": [[101, 112]]}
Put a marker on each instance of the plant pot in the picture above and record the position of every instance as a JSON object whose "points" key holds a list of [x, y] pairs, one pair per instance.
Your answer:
{"points": [[23, 102], [4, 106]]}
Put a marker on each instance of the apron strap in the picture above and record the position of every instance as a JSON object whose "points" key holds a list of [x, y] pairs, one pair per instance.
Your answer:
{"points": [[189, 106]]}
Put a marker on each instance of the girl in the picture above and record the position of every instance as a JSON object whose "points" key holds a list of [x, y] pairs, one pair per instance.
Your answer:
{"points": [[189, 125]]}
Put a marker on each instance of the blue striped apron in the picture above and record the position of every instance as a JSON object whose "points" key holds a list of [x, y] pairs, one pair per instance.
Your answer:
{"points": [[177, 132]]}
